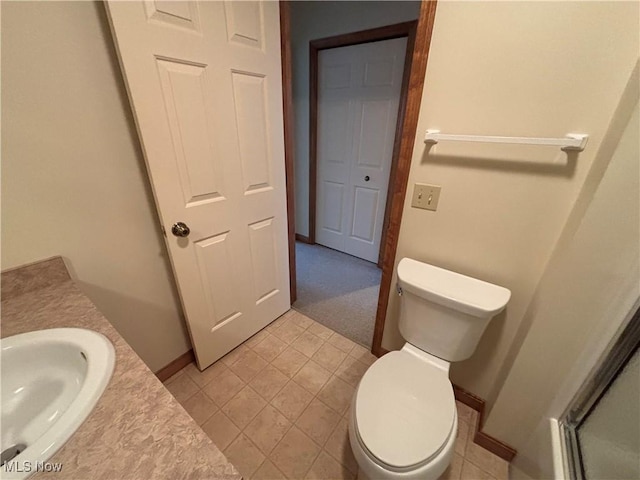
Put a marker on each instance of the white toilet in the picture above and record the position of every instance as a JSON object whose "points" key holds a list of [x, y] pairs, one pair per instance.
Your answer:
{"points": [[403, 420]]}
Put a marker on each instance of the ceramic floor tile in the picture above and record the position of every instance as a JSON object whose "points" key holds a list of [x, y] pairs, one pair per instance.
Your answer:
{"points": [[307, 343], [295, 454], [203, 378], [341, 342], [363, 354], [301, 320], [320, 330], [318, 421], [288, 331], [351, 370], [244, 455], [465, 412], [231, 357], [242, 408], [289, 362], [461, 439], [454, 470], [267, 429], [472, 472], [277, 323], [292, 312], [268, 471], [257, 338], [220, 430], [339, 448], [495, 466], [248, 365], [200, 407], [224, 387], [312, 377], [181, 387], [292, 400], [326, 467], [269, 382], [337, 394], [270, 348], [329, 357]]}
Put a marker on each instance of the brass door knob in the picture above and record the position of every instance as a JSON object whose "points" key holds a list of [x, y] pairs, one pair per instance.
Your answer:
{"points": [[180, 229]]}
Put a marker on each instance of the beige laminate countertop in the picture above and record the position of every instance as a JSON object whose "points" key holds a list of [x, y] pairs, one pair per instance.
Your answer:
{"points": [[137, 430]]}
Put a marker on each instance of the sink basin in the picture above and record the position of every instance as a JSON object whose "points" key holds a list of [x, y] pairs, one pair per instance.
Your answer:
{"points": [[51, 380]]}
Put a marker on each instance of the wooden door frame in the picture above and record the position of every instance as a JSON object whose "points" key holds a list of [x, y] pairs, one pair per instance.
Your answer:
{"points": [[289, 132], [418, 35]]}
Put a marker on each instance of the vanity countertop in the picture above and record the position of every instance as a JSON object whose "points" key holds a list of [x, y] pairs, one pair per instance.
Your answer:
{"points": [[137, 430]]}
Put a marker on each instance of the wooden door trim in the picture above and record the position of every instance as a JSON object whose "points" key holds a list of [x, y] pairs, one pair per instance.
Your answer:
{"points": [[398, 190], [398, 136], [289, 132], [419, 43], [388, 32]]}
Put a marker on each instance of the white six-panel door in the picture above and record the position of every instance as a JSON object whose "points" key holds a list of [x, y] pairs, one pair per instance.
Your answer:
{"points": [[358, 97], [204, 80]]}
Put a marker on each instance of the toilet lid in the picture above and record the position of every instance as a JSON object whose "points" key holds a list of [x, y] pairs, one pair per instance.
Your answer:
{"points": [[404, 410]]}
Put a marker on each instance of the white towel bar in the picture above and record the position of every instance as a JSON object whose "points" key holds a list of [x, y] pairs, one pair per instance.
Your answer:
{"points": [[573, 142]]}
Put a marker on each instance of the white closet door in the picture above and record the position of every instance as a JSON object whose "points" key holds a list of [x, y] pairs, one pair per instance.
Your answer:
{"points": [[358, 98]]}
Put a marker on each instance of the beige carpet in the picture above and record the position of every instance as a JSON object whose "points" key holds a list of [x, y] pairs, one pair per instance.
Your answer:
{"points": [[338, 290]]}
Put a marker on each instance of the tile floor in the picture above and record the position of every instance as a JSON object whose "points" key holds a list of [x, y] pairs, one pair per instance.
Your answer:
{"points": [[277, 406]]}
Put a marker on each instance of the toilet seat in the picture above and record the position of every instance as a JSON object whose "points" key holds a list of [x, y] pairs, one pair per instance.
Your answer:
{"points": [[404, 410]]}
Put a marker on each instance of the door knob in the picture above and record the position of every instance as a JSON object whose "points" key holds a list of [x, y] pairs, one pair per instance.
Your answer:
{"points": [[366, 179], [180, 229]]}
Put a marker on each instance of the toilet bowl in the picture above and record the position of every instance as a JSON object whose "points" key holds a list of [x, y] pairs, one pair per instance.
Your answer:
{"points": [[403, 421]]}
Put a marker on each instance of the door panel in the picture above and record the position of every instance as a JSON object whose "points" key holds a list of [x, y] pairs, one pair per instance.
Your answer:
{"points": [[249, 98], [334, 133], [204, 81], [183, 93], [244, 22], [263, 254], [379, 73], [375, 116], [332, 208], [365, 207], [214, 255], [337, 76], [176, 13], [358, 99]]}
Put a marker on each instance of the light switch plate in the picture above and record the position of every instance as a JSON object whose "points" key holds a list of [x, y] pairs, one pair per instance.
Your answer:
{"points": [[426, 196]]}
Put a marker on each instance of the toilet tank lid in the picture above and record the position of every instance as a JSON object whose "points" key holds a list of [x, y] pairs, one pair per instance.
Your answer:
{"points": [[450, 289]]}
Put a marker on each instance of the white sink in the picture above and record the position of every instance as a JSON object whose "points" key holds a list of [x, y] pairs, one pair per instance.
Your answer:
{"points": [[51, 380]]}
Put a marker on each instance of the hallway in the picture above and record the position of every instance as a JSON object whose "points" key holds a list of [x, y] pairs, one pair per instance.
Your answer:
{"points": [[338, 290]]}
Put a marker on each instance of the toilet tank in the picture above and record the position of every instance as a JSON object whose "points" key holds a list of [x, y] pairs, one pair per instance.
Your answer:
{"points": [[445, 313]]}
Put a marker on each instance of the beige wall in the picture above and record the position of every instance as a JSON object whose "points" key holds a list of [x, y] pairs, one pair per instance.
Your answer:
{"points": [[588, 289], [73, 178], [313, 20], [510, 68]]}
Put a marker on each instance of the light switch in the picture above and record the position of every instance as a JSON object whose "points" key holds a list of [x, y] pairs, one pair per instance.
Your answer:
{"points": [[425, 196]]}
